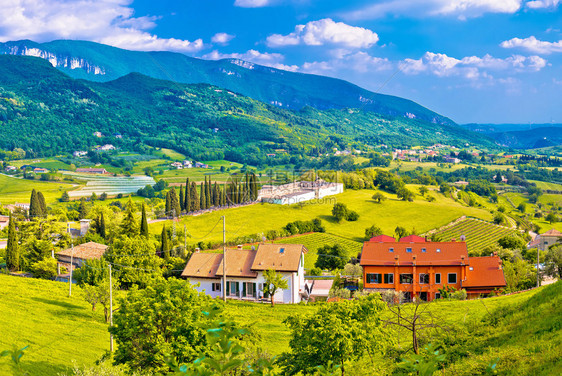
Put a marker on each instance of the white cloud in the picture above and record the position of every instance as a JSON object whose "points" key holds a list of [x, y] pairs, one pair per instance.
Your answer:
{"points": [[470, 67], [104, 21], [222, 38], [325, 31], [533, 44], [360, 62], [458, 8], [251, 3], [538, 4], [273, 60]]}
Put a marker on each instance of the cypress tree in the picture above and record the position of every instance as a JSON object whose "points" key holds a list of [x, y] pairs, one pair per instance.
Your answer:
{"points": [[42, 203], [202, 199], [165, 247], [102, 231], [194, 197], [168, 203], [34, 206], [208, 193], [174, 203], [144, 223], [82, 209], [187, 197], [216, 197], [12, 251], [182, 199]]}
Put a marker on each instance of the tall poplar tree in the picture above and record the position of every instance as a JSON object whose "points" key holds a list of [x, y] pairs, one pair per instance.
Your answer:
{"points": [[202, 199], [144, 223], [174, 203], [208, 193], [129, 224], [12, 249]]}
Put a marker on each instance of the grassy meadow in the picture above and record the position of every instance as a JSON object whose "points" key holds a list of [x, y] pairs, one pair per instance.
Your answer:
{"points": [[522, 330], [420, 215], [18, 190]]}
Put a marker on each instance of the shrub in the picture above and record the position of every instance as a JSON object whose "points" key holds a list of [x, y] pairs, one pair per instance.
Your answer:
{"points": [[46, 269], [352, 216]]}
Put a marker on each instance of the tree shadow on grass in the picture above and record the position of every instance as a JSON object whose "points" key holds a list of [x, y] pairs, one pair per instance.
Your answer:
{"points": [[328, 218], [44, 367], [58, 303]]}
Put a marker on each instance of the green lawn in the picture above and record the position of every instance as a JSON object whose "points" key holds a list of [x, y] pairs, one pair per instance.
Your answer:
{"points": [[57, 328], [19, 190], [545, 185], [420, 215], [61, 329]]}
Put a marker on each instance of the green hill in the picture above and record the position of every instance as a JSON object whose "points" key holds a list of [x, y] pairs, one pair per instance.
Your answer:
{"points": [[98, 62], [522, 331], [45, 112]]}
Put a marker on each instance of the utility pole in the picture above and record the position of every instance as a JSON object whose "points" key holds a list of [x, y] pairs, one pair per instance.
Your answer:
{"points": [[224, 258], [110, 310], [71, 266]]}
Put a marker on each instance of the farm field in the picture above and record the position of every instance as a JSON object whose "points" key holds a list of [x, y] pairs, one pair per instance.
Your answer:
{"points": [[60, 330], [111, 185], [547, 186], [479, 234], [316, 240], [420, 215], [18, 190]]}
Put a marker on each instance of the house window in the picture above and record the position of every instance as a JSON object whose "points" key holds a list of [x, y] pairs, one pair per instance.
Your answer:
{"points": [[409, 250], [452, 278], [248, 289], [438, 278], [374, 278], [282, 250], [233, 289], [391, 250], [424, 250], [406, 278], [438, 250], [389, 278], [424, 279], [216, 286], [437, 295]]}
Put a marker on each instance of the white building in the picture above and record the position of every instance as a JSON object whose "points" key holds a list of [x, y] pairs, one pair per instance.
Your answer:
{"points": [[299, 191], [177, 165], [80, 153], [244, 272], [187, 164]]}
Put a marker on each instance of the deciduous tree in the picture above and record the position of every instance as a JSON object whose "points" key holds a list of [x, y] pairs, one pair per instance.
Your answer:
{"points": [[273, 281]]}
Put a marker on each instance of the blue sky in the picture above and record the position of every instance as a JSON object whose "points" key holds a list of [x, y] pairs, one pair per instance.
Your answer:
{"points": [[481, 61]]}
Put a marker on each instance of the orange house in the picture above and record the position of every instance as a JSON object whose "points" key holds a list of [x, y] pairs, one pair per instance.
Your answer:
{"points": [[420, 268]]}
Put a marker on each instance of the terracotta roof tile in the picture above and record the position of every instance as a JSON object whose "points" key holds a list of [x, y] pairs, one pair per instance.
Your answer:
{"points": [[238, 263], [202, 265], [552, 232], [382, 238], [412, 239], [281, 257], [86, 251], [484, 272], [430, 253]]}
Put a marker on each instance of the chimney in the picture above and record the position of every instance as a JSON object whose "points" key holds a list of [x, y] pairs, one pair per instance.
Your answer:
{"points": [[495, 253], [239, 247], [197, 250], [84, 226], [53, 254]]}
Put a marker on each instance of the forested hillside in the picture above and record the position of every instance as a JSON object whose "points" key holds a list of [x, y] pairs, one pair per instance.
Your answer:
{"points": [[102, 63], [45, 112]]}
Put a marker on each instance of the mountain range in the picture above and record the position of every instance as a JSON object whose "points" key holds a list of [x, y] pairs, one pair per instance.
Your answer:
{"points": [[521, 136], [46, 112], [289, 90]]}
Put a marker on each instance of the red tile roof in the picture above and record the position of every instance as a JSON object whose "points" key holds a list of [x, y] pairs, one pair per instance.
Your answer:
{"points": [[86, 251], [202, 265], [484, 272], [436, 253], [552, 232], [382, 238], [238, 263], [412, 239]]}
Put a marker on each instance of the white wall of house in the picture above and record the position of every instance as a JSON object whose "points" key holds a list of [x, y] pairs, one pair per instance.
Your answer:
{"points": [[295, 281]]}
